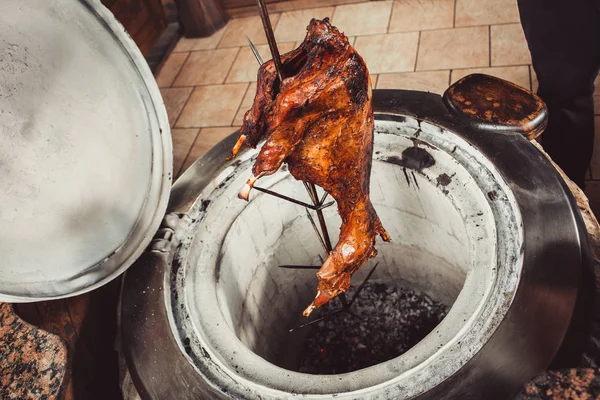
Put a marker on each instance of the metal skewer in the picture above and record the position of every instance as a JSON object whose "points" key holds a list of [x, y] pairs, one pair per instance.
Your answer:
{"points": [[284, 197], [314, 321], [345, 307], [362, 285], [300, 266], [323, 198], [312, 222], [313, 189], [264, 16], [292, 200], [255, 51]]}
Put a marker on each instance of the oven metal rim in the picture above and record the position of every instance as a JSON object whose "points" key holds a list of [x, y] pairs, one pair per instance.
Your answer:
{"points": [[144, 311], [437, 359]]}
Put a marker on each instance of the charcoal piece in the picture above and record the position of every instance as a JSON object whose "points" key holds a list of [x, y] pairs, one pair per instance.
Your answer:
{"points": [[388, 320]]}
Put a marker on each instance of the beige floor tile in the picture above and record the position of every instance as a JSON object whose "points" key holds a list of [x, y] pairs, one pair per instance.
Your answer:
{"points": [[249, 97], [292, 24], [518, 75], [363, 18], [394, 52], [237, 29], [182, 143], [534, 81], [175, 99], [207, 138], [239, 117], [454, 48], [211, 136], [245, 66], [214, 105], [485, 12], [595, 164], [246, 104], [169, 70], [206, 43], [509, 46], [206, 67], [429, 81], [417, 15]]}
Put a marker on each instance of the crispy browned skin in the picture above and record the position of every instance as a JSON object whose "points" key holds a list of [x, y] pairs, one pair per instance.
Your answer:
{"points": [[321, 125]]}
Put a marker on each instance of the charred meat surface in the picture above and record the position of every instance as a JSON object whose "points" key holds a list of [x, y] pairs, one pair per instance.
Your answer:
{"points": [[319, 121]]}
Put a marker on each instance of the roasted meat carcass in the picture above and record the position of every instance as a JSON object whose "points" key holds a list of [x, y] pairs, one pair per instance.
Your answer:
{"points": [[319, 121]]}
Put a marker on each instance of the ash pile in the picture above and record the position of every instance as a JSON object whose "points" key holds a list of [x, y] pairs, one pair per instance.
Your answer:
{"points": [[386, 321]]}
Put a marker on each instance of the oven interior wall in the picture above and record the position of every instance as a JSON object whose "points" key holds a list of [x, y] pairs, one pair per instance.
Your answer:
{"points": [[428, 252]]}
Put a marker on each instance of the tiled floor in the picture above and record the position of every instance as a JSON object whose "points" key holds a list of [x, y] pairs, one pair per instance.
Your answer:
{"points": [[209, 83]]}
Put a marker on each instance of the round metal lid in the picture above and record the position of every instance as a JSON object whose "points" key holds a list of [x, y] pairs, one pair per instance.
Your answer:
{"points": [[85, 149]]}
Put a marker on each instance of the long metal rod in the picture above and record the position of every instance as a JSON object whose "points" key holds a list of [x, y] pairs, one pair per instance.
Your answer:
{"points": [[312, 222], [346, 306], [314, 321], [323, 198], [292, 200], [286, 266], [321, 218], [310, 193], [287, 198], [362, 285], [255, 51], [264, 16]]}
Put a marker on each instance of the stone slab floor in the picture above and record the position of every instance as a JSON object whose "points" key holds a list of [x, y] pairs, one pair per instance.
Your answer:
{"points": [[208, 84]]}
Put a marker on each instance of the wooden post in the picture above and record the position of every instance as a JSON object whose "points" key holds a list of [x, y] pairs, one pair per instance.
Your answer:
{"points": [[200, 18]]}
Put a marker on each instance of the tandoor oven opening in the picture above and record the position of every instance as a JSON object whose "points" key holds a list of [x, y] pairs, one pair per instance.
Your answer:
{"points": [[419, 274]]}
